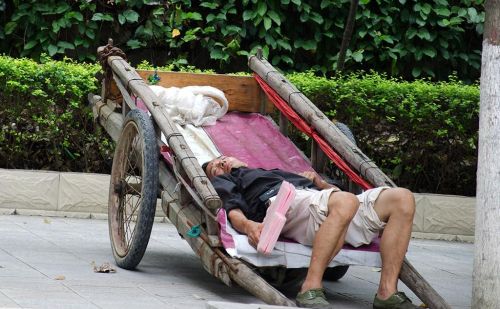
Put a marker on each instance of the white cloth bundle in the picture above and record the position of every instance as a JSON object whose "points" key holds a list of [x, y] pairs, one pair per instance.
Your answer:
{"points": [[198, 105]]}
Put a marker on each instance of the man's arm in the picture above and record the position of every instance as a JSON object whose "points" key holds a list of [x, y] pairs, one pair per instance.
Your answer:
{"points": [[317, 180], [243, 225]]}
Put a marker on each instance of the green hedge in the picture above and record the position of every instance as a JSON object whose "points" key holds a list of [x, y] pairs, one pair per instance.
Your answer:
{"points": [[45, 121], [423, 134]]}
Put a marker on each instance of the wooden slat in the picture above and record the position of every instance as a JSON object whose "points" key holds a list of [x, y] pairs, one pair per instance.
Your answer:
{"points": [[242, 92]]}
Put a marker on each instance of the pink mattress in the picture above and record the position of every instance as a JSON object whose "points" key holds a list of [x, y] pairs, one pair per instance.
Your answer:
{"points": [[254, 139]]}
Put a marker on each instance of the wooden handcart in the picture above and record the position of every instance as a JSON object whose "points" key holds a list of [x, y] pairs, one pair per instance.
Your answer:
{"points": [[139, 176]]}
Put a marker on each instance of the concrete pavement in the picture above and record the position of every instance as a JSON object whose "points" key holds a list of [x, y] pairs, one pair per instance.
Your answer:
{"points": [[47, 262]]}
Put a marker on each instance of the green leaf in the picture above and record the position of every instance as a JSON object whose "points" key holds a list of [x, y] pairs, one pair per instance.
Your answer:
{"points": [[262, 8], [121, 19], [210, 17], [443, 12], [445, 53], [131, 16], [284, 44], [158, 12], [210, 5], [101, 16], [248, 14], [443, 22], [387, 38], [275, 17], [416, 72], [472, 13], [192, 16], [426, 8], [429, 51], [134, 44], [30, 44], [424, 34], [65, 45], [305, 44], [75, 15], [357, 55], [90, 34], [52, 49], [10, 27], [316, 18], [216, 54], [455, 21], [55, 26], [61, 8], [267, 23], [411, 33], [324, 4]]}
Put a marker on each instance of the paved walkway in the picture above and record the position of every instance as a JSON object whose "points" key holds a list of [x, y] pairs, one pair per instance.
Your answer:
{"points": [[48, 263]]}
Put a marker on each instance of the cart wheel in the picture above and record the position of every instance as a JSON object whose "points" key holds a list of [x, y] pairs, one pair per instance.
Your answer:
{"points": [[133, 190], [335, 273]]}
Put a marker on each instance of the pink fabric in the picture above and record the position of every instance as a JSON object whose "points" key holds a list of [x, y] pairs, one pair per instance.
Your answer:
{"points": [[225, 237], [255, 140], [275, 218]]}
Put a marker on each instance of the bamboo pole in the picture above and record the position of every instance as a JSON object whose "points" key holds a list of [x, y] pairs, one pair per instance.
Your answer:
{"points": [[302, 105], [351, 153], [175, 139]]}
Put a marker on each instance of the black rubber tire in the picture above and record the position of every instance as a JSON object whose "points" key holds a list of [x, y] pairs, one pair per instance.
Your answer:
{"points": [[335, 273], [133, 190]]}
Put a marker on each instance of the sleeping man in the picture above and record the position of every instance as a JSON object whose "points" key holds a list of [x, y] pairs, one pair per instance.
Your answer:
{"points": [[323, 217]]}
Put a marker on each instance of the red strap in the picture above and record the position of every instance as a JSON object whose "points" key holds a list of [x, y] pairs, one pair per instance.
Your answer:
{"points": [[307, 129]]}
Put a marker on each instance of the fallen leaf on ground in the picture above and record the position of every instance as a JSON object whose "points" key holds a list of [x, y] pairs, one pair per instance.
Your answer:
{"points": [[198, 297], [61, 277], [376, 269], [104, 268], [45, 220]]}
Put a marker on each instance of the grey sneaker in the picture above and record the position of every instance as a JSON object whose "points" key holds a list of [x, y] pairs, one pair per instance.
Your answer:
{"points": [[313, 298], [397, 300]]}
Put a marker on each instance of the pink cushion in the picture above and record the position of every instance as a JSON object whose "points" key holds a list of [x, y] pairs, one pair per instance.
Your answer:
{"points": [[275, 218]]}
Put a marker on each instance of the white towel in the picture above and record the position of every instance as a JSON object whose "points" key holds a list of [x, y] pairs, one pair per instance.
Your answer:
{"points": [[197, 105]]}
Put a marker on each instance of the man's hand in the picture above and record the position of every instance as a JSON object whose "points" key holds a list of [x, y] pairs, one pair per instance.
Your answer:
{"points": [[316, 180], [245, 226], [253, 230]]}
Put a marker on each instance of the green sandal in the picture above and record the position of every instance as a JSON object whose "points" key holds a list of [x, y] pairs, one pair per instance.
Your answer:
{"points": [[397, 300], [313, 298]]}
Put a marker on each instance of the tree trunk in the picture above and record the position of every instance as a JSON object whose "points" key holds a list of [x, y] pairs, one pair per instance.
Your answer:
{"points": [[346, 38], [486, 275]]}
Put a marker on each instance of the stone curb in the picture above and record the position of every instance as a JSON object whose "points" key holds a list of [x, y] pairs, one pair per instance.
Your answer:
{"points": [[85, 195]]}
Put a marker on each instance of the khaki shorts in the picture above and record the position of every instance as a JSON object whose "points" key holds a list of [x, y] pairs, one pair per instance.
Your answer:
{"points": [[310, 208]]}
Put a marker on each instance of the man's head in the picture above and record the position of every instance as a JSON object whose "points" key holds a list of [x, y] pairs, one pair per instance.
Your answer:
{"points": [[221, 165]]}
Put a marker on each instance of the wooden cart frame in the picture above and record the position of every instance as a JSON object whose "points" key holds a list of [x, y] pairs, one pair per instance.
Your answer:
{"points": [[187, 196]]}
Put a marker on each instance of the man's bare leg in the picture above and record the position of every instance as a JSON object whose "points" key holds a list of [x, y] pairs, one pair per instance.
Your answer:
{"points": [[342, 207], [395, 206]]}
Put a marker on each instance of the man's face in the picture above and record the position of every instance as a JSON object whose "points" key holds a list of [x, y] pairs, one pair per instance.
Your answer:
{"points": [[222, 165]]}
